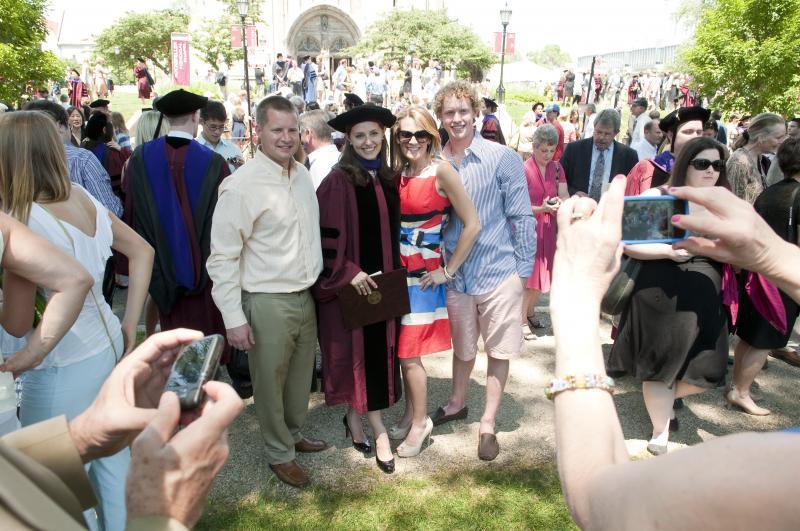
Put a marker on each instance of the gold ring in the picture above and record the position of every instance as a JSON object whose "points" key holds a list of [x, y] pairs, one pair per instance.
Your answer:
{"points": [[576, 216]]}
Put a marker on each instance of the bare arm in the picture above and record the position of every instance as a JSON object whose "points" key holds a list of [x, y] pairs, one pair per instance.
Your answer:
{"points": [[603, 488], [140, 267], [450, 183], [656, 251], [37, 260]]}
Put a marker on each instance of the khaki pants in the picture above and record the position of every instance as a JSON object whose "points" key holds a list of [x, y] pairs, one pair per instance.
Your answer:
{"points": [[285, 330]]}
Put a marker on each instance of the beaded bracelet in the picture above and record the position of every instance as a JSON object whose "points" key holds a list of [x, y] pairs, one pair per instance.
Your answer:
{"points": [[581, 381], [447, 274]]}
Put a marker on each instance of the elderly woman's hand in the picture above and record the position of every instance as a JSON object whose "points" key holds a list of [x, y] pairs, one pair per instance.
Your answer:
{"points": [[588, 250], [734, 233]]}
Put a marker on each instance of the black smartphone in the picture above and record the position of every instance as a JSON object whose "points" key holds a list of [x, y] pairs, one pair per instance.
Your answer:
{"points": [[648, 219], [196, 364]]}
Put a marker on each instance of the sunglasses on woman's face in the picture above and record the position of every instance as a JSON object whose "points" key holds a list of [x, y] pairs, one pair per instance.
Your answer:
{"points": [[421, 135], [703, 164]]}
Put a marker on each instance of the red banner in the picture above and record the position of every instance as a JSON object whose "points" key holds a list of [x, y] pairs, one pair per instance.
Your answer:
{"points": [[510, 42], [236, 36], [180, 59]]}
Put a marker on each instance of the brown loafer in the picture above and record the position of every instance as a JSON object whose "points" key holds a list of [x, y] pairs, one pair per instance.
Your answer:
{"points": [[488, 447], [291, 474], [440, 417], [307, 445], [792, 357]]}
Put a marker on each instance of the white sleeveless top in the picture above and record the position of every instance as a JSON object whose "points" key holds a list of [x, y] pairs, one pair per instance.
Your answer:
{"points": [[88, 336]]}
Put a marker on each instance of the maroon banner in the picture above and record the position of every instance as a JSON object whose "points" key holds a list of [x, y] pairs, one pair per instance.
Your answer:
{"points": [[510, 42], [236, 36], [181, 74]]}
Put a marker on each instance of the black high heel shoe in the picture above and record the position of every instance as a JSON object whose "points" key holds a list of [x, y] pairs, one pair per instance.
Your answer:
{"points": [[363, 447], [386, 466]]}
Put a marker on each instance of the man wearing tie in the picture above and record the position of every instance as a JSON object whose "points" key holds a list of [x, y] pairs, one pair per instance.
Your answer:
{"points": [[592, 162]]}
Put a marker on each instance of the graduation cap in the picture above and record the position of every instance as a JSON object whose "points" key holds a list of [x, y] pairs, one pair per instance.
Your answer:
{"points": [[95, 125], [96, 104], [179, 102], [353, 99], [363, 113], [676, 118], [489, 102]]}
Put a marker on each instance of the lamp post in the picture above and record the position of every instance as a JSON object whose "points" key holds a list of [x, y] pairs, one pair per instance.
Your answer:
{"points": [[244, 6], [505, 17]]}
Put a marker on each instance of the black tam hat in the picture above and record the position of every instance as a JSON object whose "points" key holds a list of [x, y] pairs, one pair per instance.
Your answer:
{"points": [[363, 113], [353, 99], [490, 103], [96, 125], [179, 102], [99, 103], [678, 117]]}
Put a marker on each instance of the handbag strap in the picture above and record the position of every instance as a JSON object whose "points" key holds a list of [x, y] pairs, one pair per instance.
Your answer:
{"points": [[91, 290]]}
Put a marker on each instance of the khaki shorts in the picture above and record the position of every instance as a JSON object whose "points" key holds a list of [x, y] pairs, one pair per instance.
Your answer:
{"points": [[495, 316]]}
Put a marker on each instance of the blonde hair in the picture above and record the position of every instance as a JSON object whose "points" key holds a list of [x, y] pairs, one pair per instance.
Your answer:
{"points": [[118, 121], [761, 126], [425, 121], [33, 163], [459, 89], [146, 127]]}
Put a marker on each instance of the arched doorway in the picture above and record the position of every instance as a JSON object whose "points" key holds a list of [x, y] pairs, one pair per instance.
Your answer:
{"points": [[322, 31]]}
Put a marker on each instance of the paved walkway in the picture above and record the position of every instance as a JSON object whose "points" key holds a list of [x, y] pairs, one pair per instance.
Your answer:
{"points": [[525, 426]]}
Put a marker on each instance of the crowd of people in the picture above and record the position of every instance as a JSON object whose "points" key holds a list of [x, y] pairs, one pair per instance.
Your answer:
{"points": [[261, 249]]}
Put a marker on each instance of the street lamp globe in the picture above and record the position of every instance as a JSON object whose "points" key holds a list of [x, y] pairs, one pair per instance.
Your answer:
{"points": [[505, 16], [243, 6]]}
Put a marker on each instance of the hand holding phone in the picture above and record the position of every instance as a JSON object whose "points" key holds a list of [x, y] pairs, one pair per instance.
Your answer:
{"points": [[195, 366]]}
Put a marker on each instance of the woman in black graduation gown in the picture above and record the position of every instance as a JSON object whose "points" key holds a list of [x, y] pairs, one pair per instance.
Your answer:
{"points": [[360, 227]]}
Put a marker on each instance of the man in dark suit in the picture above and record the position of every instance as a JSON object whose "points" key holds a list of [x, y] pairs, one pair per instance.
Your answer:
{"points": [[592, 162]]}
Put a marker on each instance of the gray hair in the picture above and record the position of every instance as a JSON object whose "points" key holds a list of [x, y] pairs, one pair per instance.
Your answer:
{"points": [[608, 118], [545, 134], [299, 103], [317, 122], [591, 107]]}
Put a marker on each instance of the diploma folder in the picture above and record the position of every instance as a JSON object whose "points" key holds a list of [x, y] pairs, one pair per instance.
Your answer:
{"points": [[388, 301]]}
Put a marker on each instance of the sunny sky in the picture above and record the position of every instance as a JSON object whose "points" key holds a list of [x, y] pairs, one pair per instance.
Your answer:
{"points": [[580, 27]]}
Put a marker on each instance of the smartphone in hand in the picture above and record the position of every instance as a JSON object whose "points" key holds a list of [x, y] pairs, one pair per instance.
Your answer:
{"points": [[195, 365], [648, 219]]}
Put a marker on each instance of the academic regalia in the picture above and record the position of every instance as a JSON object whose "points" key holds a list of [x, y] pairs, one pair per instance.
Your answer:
{"points": [[491, 130], [360, 227], [142, 83]]}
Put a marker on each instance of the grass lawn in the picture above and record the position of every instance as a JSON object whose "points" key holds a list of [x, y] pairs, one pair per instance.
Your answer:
{"points": [[486, 498], [126, 101]]}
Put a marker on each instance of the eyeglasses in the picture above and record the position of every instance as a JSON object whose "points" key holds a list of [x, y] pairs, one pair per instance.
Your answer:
{"points": [[703, 164], [214, 127], [421, 135]]}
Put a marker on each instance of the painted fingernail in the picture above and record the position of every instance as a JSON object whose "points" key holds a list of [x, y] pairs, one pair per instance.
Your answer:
{"points": [[673, 189], [675, 218]]}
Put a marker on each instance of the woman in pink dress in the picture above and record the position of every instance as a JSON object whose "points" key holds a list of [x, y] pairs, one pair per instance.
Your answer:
{"points": [[547, 187]]}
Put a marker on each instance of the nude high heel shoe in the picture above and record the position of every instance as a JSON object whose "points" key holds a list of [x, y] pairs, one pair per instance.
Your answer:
{"points": [[405, 450]]}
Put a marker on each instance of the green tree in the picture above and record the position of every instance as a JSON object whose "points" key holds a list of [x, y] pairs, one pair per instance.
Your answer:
{"points": [[213, 40], [549, 55], [23, 64], [145, 35], [431, 35], [744, 55]]}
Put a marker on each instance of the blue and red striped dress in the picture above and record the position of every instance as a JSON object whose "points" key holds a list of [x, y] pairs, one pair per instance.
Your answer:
{"points": [[423, 213]]}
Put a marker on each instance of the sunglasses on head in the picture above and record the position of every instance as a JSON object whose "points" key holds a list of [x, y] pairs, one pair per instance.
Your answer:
{"points": [[703, 164], [421, 135]]}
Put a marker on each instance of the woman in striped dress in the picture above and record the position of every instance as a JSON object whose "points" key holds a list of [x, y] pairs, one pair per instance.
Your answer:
{"points": [[428, 188]]}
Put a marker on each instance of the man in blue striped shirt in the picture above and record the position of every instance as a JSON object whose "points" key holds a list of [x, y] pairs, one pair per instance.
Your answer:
{"points": [[485, 298], [84, 168]]}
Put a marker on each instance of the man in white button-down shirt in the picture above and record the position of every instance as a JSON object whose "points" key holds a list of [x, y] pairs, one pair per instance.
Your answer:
{"points": [[315, 134], [265, 254]]}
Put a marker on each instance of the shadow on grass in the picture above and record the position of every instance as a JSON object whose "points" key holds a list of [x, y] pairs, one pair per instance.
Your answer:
{"points": [[497, 498]]}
